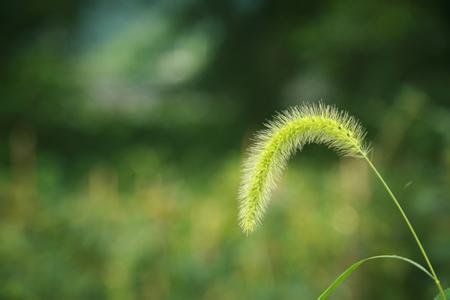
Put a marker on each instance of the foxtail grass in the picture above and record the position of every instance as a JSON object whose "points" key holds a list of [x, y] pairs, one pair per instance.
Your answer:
{"points": [[289, 132]]}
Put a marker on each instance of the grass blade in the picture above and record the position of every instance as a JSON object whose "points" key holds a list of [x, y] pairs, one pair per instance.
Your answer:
{"points": [[356, 265]]}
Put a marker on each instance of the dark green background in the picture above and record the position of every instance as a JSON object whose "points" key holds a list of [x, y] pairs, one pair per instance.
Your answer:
{"points": [[123, 126]]}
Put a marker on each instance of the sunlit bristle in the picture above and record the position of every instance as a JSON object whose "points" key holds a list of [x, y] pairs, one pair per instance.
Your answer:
{"points": [[290, 131]]}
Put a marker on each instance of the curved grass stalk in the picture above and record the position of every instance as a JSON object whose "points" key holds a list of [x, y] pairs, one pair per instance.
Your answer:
{"points": [[344, 275], [290, 131], [408, 223]]}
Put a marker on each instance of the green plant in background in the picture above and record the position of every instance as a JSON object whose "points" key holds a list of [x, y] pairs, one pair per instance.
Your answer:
{"points": [[290, 131]]}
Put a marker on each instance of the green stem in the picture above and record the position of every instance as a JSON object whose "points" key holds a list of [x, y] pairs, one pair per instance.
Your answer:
{"points": [[411, 228]]}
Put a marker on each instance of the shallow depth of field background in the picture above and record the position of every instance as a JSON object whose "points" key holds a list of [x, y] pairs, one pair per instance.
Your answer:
{"points": [[123, 127]]}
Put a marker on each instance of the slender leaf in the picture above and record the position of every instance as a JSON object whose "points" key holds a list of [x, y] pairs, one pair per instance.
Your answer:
{"points": [[356, 265]]}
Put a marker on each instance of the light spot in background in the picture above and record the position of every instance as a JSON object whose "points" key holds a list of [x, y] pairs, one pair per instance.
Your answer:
{"points": [[183, 61], [354, 181], [175, 65], [129, 70], [345, 220]]}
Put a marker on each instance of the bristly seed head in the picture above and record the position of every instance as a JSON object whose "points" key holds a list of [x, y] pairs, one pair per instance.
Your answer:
{"points": [[288, 132]]}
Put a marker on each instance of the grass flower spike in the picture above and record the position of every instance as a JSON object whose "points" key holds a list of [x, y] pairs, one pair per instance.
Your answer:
{"points": [[290, 131]]}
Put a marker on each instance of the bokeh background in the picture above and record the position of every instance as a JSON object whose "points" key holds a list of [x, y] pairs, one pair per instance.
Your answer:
{"points": [[123, 125]]}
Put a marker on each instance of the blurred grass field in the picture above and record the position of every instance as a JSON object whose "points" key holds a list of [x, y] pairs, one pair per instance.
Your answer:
{"points": [[123, 127]]}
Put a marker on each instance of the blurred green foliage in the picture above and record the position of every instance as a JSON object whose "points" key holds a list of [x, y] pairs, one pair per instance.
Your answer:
{"points": [[123, 125]]}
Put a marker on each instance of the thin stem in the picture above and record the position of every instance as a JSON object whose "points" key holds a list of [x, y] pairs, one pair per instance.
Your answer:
{"points": [[411, 228]]}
